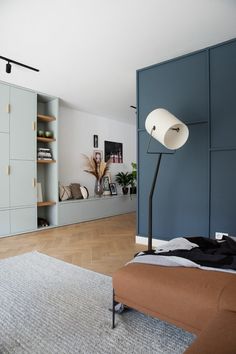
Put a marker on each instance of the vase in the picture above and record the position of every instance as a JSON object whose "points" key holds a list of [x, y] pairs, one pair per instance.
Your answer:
{"points": [[98, 189]]}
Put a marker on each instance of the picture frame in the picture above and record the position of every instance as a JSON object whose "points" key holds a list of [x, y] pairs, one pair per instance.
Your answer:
{"points": [[95, 141], [113, 188], [106, 184], [113, 151], [39, 193], [98, 155]]}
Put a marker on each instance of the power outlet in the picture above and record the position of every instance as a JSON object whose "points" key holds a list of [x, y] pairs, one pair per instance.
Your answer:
{"points": [[219, 235]]}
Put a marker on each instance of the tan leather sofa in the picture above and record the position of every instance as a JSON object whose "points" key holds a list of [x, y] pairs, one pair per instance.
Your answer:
{"points": [[202, 302]]}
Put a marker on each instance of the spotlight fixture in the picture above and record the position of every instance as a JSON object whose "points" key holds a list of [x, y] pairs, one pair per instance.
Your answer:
{"points": [[8, 65], [8, 68]]}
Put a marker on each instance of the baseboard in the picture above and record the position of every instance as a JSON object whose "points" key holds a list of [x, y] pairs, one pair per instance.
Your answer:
{"points": [[144, 241]]}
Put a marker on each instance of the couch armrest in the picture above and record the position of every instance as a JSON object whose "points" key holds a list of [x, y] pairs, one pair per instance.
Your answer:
{"points": [[219, 337]]}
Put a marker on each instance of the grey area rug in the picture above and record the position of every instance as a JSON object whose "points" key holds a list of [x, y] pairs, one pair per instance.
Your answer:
{"points": [[49, 306]]}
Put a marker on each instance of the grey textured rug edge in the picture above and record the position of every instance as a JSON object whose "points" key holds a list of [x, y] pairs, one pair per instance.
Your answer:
{"points": [[50, 306]]}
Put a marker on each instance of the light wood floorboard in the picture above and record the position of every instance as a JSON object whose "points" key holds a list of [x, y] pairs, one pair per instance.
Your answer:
{"points": [[102, 245]]}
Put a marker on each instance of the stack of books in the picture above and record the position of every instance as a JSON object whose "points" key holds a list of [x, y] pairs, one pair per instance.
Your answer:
{"points": [[44, 154]]}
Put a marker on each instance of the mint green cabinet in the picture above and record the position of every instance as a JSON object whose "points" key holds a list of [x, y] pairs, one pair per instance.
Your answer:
{"points": [[4, 170], [22, 124], [23, 219], [23, 191], [4, 108], [4, 222]]}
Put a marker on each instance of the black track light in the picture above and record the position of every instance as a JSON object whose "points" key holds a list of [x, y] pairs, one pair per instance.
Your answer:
{"points": [[8, 68], [8, 65]]}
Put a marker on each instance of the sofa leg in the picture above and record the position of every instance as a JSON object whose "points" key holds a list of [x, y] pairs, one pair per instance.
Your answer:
{"points": [[113, 309]]}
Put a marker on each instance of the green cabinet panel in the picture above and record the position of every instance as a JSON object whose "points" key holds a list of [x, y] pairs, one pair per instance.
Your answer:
{"points": [[23, 189], [4, 108], [4, 170], [4, 223], [22, 220], [22, 124]]}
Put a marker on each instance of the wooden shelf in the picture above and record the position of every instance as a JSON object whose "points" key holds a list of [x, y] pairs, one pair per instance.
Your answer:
{"points": [[46, 161], [45, 140], [43, 204], [44, 118]]}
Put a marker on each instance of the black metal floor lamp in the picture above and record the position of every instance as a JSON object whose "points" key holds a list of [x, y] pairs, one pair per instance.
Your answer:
{"points": [[171, 133]]}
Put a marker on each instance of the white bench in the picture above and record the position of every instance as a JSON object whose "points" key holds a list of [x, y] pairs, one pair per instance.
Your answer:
{"points": [[75, 211]]}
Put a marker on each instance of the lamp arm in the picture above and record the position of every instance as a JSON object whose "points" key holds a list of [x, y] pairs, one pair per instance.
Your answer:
{"points": [[150, 200]]}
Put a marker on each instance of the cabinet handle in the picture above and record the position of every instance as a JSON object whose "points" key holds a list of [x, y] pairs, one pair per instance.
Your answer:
{"points": [[8, 170], [33, 126], [8, 108], [33, 182]]}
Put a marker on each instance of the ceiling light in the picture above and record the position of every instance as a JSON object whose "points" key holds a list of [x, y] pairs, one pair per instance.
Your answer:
{"points": [[8, 68], [8, 65]]}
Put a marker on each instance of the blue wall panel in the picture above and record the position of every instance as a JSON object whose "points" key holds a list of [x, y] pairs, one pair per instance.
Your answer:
{"points": [[223, 192], [180, 86], [199, 87], [223, 95]]}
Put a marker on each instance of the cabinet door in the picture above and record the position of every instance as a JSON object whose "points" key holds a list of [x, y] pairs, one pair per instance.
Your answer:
{"points": [[4, 172], [22, 183], [22, 121], [4, 223], [4, 115], [23, 220]]}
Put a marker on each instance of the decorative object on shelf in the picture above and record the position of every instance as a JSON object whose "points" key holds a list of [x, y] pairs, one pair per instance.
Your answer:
{"points": [[97, 155], [75, 191], [98, 169], [113, 188], [39, 193], [106, 187], [84, 192], [48, 134], [42, 222], [64, 192], [123, 179], [170, 132], [40, 133], [113, 151], [44, 154], [133, 178], [98, 188], [95, 141]]}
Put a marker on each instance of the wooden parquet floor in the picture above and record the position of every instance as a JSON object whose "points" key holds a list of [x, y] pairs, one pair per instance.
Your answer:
{"points": [[102, 245]]}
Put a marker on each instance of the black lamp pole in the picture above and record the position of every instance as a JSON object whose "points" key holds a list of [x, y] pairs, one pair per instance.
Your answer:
{"points": [[150, 200]]}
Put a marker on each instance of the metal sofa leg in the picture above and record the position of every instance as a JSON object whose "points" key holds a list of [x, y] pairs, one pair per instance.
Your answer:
{"points": [[113, 309]]}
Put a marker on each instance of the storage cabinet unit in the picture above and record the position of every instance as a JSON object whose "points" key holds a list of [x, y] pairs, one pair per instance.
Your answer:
{"points": [[47, 170], [18, 163], [4, 170], [4, 108], [22, 124], [4, 222]]}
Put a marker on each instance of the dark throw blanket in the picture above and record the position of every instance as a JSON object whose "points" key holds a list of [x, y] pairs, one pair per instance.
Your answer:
{"points": [[210, 253]]}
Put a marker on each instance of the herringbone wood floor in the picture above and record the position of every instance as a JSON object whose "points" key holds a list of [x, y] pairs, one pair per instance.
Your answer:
{"points": [[102, 245]]}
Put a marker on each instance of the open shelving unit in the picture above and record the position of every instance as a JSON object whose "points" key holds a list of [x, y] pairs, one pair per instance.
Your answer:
{"points": [[47, 170]]}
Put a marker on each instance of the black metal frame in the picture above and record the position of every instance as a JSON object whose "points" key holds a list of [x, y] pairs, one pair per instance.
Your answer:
{"points": [[113, 309], [150, 198]]}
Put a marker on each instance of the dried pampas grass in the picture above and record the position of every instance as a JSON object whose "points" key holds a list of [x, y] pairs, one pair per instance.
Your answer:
{"points": [[97, 169]]}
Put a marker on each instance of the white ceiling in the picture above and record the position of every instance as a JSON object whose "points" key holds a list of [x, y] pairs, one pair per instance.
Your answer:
{"points": [[88, 51]]}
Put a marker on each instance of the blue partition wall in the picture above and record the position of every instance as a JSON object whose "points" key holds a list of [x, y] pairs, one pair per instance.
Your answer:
{"points": [[196, 188]]}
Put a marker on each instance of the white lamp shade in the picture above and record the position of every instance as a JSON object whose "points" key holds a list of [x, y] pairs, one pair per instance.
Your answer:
{"points": [[169, 130]]}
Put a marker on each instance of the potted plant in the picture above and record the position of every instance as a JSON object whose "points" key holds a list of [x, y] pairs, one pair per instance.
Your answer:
{"points": [[133, 178], [123, 179]]}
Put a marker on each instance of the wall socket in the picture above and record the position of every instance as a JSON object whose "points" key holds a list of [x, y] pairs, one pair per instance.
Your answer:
{"points": [[219, 235]]}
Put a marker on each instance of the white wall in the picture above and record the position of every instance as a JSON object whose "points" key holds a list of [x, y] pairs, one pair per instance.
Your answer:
{"points": [[76, 130]]}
